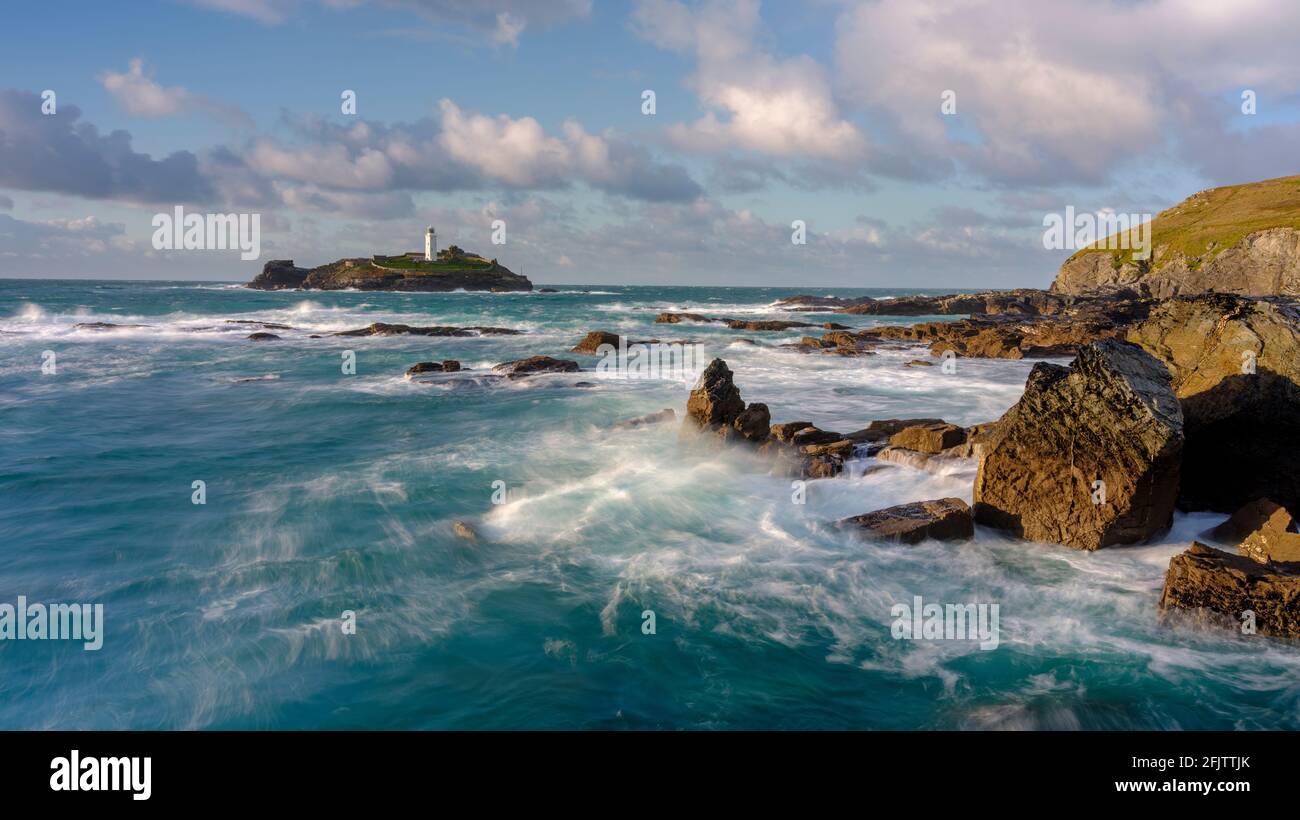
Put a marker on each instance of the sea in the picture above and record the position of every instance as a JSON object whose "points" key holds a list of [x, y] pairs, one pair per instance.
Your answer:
{"points": [[622, 578]]}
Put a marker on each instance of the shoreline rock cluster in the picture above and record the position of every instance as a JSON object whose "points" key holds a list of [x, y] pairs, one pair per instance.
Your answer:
{"points": [[1191, 403]]}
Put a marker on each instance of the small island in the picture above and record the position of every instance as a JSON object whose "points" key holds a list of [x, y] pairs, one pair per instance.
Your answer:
{"points": [[433, 270]]}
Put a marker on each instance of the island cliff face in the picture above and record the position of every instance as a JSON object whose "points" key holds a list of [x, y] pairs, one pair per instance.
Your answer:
{"points": [[379, 273], [1242, 239]]}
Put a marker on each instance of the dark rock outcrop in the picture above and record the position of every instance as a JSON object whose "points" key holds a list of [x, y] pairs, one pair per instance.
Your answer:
{"points": [[1111, 416], [947, 519], [1227, 586], [1235, 364], [753, 423], [535, 365], [385, 329], [448, 366], [262, 336], [463, 273]]}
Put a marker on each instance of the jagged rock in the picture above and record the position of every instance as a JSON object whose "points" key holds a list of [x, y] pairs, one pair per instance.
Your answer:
{"points": [[783, 432], [448, 366], [594, 340], [280, 274], [263, 337], [1208, 580], [812, 435], [465, 530], [753, 423], [929, 438], [715, 401], [1242, 428], [1263, 531], [919, 363], [534, 365], [1111, 416], [947, 519], [662, 417]]}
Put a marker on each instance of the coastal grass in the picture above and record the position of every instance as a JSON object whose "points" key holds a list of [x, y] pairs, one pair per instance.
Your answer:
{"points": [[1208, 223], [457, 265]]}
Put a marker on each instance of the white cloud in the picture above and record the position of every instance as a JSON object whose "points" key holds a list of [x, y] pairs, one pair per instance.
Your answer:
{"points": [[755, 100], [140, 95]]}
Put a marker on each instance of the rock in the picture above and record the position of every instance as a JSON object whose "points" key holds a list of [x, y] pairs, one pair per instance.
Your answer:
{"points": [[842, 448], [929, 438], [947, 519], [1111, 416], [103, 326], [385, 329], [1241, 427], [753, 423], [881, 429], [547, 290], [1212, 581], [463, 272], [262, 336], [919, 363], [715, 401], [534, 365], [465, 530], [947, 461], [594, 340], [1263, 531], [771, 324], [279, 274], [1239, 239], [812, 435], [783, 432], [662, 417], [835, 326], [263, 325], [448, 366], [676, 318]]}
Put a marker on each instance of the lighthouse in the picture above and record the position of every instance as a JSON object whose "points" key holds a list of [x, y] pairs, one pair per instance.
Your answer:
{"points": [[430, 244]]}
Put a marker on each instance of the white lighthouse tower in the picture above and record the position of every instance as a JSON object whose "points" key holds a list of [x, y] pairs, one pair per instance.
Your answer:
{"points": [[430, 244]]}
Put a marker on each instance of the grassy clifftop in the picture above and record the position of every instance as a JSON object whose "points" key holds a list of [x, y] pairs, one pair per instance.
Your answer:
{"points": [[1208, 223]]}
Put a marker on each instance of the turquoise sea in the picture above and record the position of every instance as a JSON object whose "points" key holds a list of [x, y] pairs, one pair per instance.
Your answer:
{"points": [[328, 492]]}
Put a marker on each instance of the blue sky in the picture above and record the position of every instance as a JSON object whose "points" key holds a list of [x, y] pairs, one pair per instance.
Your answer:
{"points": [[530, 112]]}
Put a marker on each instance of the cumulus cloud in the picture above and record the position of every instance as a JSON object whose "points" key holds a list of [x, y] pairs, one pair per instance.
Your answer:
{"points": [[140, 95], [1052, 93], [754, 100], [59, 154]]}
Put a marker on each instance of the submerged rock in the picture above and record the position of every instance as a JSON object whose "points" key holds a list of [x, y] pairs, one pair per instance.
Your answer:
{"points": [[1212, 581], [1235, 364], [662, 417], [385, 329], [1111, 417], [534, 365], [947, 519], [263, 337], [448, 366], [465, 530]]}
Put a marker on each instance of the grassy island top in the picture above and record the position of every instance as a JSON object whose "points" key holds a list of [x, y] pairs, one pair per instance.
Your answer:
{"points": [[449, 260], [1208, 223]]}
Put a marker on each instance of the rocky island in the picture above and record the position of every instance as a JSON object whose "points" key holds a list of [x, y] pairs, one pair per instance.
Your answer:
{"points": [[451, 269]]}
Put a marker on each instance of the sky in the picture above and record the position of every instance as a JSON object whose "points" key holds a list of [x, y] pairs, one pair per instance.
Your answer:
{"points": [[919, 143]]}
